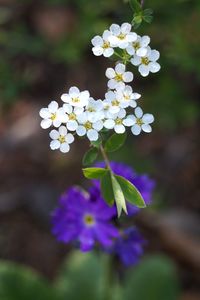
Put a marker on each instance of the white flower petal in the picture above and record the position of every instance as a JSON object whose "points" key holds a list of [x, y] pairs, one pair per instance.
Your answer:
{"points": [[144, 70], [81, 130], [108, 52], [69, 138], [115, 29], [112, 84], [132, 37], [92, 135], [65, 98], [120, 68], [136, 129], [106, 34], [125, 28], [141, 52], [154, 67], [67, 108], [56, 123], [148, 118], [130, 50], [54, 134], [64, 148], [145, 40], [97, 41], [128, 76], [146, 128], [62, 130], [74, 91], [136, 60], [97, 51], [55, 144], [138, 112], [110, 73], [72, 125], [82, 118], [128, 122], [135, 96], [109, 124], [119, 129], [53, 106], [46, 123], [121, 114], [98, 125], [44, 113], [154, 55]]}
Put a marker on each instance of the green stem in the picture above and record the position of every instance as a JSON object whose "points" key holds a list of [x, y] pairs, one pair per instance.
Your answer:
{"points": [[105, 157], [117, 54]]}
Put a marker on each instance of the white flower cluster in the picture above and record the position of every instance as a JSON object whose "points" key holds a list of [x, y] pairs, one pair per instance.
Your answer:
{"points": [[82, 115], [137, 47]]}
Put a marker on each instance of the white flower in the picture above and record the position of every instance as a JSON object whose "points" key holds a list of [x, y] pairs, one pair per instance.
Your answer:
{"points": [[95, 110], [52, 115], [61, 139], [102, 45], [139, 47], [75, 97], [118, 122], [121, 35], [72, 112], [147, 63], [88, 128], [141, 121], [118, 76], [127, 97], [113, 101]]}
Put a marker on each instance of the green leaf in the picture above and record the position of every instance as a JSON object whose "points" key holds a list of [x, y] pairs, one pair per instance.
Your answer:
{"points": [[19, 282], [115, 142], [94, 173], [119, 196], [90, 156], [153, 279], [107, 190], [148, 11], [148, 19], [135, 5], [82, 277], [130, 192]]}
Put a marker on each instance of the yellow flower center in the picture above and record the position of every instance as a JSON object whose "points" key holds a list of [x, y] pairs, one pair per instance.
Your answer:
{"points": [[121, 36], [75, 100], [136, 45], [127, 97], [72, 117], [61, 139], [106, 45], [118, 121], [139, 122], [145, 61], [118, 77], [91, 109], [89, 220], [53, 116], [88, 125], [115, 102]]}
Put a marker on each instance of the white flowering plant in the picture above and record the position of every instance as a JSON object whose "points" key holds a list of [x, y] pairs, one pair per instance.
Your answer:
{"points": [[105, 122]]}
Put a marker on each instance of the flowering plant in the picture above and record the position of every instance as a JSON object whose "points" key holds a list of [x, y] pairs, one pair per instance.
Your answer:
{"points": [[81, 115]]}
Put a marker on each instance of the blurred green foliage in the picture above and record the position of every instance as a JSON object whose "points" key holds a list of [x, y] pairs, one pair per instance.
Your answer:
{"points": [[85, 276], [28, 38]]}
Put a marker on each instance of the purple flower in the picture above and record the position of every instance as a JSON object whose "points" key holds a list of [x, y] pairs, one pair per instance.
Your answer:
{"points": [[84, 218], [143, 182], [128, 247]]}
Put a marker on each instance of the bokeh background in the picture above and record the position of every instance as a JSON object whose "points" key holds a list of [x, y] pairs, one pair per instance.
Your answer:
{"points": [[44, 49]]}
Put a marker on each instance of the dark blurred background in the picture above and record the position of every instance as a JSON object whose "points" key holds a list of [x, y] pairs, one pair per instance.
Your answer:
{"points": [[44, 49]]}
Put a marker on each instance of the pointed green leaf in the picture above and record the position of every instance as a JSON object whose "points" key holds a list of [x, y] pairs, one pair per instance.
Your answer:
{"points": [[119, 196], [96, 143], [130, 192], [107, 190], [135, 5], [94, 173], [115, 142], [90, 156]]}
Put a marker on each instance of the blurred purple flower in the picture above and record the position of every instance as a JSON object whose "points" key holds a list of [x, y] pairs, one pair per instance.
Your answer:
{"points": [[143, 182], [85, 219], [128, 247]]}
